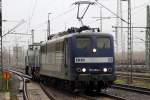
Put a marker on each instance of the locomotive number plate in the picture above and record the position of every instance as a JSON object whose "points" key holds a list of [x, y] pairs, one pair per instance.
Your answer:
{"points": [[93, 59]]}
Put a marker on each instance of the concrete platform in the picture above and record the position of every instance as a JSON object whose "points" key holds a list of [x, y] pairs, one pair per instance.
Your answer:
{"points": [[35, 92], [5, 96]]}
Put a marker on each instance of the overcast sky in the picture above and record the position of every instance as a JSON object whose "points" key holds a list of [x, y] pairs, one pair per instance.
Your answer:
{"points": [[35, 13]]}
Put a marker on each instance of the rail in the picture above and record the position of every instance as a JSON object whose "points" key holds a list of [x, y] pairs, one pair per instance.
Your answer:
{"points": [[24, 87], [100, 95], [134, 77], [46, 92], [113, 96], [132, 88], [82, 95]]}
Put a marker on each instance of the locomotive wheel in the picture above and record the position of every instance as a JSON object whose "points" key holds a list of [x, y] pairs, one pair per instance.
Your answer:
{"points": [[27, 70], [30, 71], [99, 87], [38, 76], [89, 87]]}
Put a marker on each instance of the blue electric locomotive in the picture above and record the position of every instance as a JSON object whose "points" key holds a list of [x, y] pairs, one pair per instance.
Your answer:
{"points": [[81, 59]]}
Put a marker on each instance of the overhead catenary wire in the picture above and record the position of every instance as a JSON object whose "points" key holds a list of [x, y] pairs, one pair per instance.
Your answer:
{"points": [[136, 7], [20, 23], [101, 5], [64, 13], [54, 18], [34, 7], [133, 8], [32, 14], [40, 24]]}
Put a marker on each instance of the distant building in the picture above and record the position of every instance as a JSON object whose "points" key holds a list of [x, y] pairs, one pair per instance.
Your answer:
{"points": [[18, 55]]}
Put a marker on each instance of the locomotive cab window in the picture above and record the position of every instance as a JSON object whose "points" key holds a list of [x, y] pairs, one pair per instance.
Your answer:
{"points": [[36, 47], [83, 42], [31, 47], [103, 43]]}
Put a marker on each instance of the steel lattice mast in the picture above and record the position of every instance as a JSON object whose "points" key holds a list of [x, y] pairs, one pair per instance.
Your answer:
{"points": [[120, 47], [129, 40], [1, 68]]}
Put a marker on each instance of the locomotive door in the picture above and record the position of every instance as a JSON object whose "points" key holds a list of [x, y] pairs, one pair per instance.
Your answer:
{"points": [[66, 62]]}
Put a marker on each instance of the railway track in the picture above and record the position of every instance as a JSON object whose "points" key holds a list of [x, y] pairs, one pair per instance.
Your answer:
{"points": [[103, 95], [107, 95], [81, 96], [52, 96], [135, 74], [113, 96], [29, 90], [23, 87], [132, 88], [47, 92], [134, 77]]}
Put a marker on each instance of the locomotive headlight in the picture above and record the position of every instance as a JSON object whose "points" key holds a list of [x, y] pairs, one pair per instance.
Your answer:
{"points": [[83, 69], [94, 50], [105, 70]]}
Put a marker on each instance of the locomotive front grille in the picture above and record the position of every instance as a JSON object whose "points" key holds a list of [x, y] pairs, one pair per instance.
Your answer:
{"points": [[96, 77]]}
